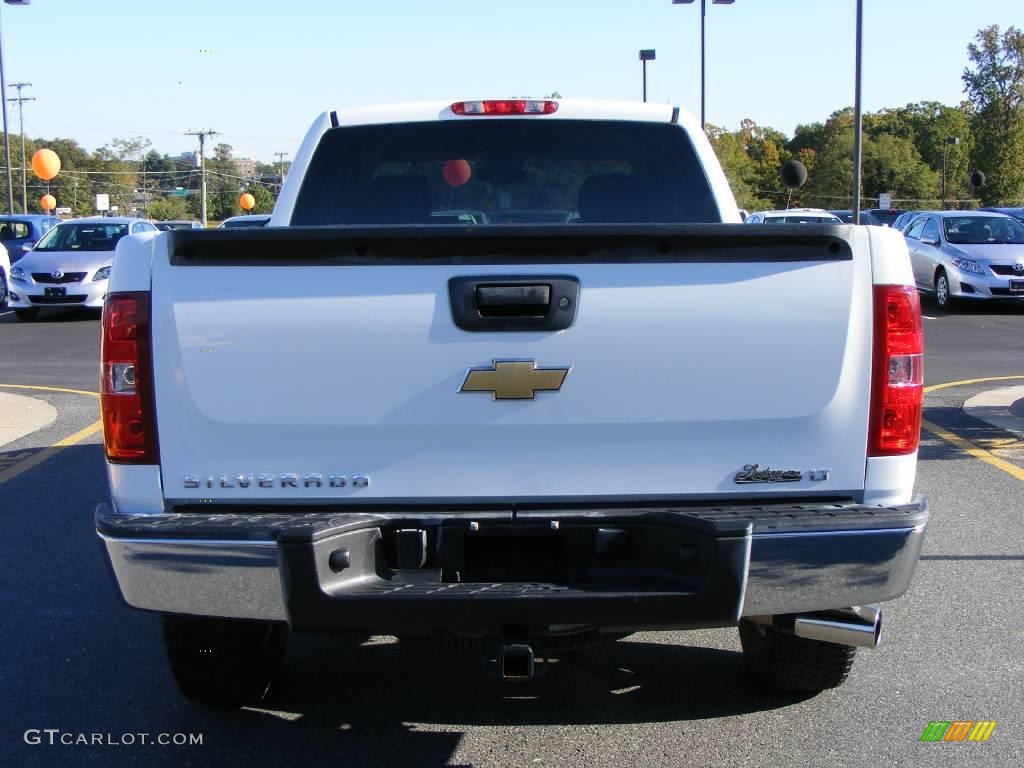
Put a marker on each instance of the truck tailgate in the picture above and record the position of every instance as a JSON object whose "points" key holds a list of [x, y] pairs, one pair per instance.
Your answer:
{"points": [[286, 358]]}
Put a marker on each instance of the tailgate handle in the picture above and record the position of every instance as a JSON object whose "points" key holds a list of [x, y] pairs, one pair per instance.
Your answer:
{"points": [[513, 300], [508, 303]]}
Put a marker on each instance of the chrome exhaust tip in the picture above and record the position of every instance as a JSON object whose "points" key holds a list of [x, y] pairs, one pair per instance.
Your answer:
{"points": [[860, 626]]}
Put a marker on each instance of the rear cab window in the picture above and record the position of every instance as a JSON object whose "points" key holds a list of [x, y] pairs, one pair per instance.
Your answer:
{"points": [[491, 171]]}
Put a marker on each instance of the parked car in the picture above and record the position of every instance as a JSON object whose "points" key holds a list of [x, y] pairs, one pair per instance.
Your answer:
{"points": [[865, 217], [1017, 213], [886, 215], [70, 265], [793, 216], [19, 233], [248, 220], [901, 222], [5, 271], [973, 255], [166, 226]]}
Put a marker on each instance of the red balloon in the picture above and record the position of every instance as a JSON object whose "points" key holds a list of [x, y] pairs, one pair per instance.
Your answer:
{"points": [[456, 172]]}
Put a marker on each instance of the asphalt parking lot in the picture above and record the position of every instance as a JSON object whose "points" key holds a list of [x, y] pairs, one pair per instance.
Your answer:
{"points": [[76, 660]]}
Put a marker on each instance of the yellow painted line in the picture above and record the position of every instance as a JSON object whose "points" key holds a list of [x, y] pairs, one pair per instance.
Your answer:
{"points": [[965, 382], [49, 452], [51, 389], [970, 448]]}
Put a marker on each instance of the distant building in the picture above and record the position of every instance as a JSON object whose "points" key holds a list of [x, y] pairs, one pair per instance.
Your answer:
{"points": [[246, 167]]}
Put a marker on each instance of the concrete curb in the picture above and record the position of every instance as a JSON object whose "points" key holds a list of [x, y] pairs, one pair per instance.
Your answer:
{"points": [[20, 416], [1003, 408]]}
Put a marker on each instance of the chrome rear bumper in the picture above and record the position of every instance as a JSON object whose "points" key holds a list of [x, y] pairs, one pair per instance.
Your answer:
{"points": [[766, 561]]}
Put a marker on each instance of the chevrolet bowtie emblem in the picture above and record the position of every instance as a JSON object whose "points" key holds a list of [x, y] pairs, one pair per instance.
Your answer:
{"points": [[513, 379]]}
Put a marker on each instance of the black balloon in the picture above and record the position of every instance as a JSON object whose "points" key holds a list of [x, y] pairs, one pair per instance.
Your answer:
{"points": [[977, 178], [794, 174]]}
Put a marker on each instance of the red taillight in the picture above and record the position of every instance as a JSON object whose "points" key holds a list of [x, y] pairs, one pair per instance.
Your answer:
{"points": [[897, 376], [126, 380], [505, 107]]}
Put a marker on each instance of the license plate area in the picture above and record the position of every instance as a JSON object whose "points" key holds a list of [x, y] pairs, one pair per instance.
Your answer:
{"points": [[57, 291], [514, 558], [1017, 286]]}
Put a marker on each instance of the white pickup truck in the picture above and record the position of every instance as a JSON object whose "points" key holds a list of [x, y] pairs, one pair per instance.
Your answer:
{"points": [[511, 373]]}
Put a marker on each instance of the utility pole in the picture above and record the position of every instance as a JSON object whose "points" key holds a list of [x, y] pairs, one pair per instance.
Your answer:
{"points": [[280, 164], [21, 121], [202, 169]]}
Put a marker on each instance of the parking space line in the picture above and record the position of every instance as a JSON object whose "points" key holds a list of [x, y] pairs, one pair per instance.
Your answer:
{"points": [[965, 382], [9, 473], [51, 389], [974, 450], [49, 452]]}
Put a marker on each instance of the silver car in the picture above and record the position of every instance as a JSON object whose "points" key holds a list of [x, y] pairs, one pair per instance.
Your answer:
{"points": [[70, 265], [967, 255]]}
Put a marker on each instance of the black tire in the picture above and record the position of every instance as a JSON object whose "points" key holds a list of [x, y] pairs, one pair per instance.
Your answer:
{"points": [[224, 662], [27, 314], [943, 297], [784, 663], [3, 290]]}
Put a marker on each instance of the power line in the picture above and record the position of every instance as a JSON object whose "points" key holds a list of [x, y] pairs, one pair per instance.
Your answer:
{"points": [[202, 167], [21, 121], [280, 162]]}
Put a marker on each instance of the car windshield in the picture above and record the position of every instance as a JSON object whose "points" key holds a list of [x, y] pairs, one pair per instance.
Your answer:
{"points": [[82, 237], [987, 230], [240, 223], [511, 172], [801, 218]]}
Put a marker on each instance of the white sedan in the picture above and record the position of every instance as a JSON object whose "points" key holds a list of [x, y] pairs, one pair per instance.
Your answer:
{"points": [[70, 265]]}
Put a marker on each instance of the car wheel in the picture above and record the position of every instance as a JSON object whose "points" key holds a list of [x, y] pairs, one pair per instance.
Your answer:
{"points": [[943, 297], [27, 314], [785, 663], [224, 662], [3, 291]]}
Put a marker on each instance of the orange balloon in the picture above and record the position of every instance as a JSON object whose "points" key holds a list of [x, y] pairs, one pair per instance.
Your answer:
{"points": [[46, 164], [456, 172], [49, 202], [247, 201]]}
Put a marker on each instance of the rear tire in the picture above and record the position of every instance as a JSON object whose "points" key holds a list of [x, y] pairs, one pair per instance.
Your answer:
{"points": [[27, 314], [3, 291], [784, 663], [943, 297], [224, 662]]}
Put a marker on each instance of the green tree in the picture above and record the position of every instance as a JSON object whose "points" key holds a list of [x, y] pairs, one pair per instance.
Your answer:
{"points": [[994, 83], [265, 199], [168, 209], [739, 169], [222, 184]]}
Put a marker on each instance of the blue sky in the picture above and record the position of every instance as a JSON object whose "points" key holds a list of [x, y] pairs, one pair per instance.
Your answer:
{"points": [[259, 71]]}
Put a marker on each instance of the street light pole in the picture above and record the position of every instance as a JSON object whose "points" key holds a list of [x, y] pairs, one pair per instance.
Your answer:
{"points": [[646, 54], [3, 98], [857, 118], [952, 141], [703, 15]]}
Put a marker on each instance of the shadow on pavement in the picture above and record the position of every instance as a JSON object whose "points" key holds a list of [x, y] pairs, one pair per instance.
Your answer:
{"points": [[368, 704]]}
